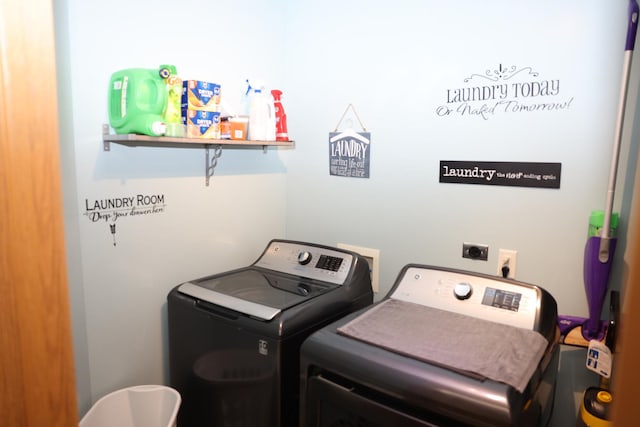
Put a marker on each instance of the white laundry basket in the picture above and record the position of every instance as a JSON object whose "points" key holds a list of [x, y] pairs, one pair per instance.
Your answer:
{"points": [[139, 406]]}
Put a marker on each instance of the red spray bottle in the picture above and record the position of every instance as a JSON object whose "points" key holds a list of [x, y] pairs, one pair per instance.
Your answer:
{"points": [[281, 117]]}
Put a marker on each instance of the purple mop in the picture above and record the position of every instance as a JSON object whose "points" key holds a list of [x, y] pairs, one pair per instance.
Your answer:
{"points": [[599, 250]]}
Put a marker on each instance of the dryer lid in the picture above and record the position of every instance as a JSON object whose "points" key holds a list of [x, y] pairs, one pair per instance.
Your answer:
{"points": [[253, 292]]}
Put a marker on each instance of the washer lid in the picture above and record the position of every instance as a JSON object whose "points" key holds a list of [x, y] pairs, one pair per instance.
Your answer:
{"points": [[253, 292]]}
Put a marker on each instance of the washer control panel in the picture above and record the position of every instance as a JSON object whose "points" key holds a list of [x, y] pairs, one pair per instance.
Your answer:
{"points": [[307, 260], [496, 300]]}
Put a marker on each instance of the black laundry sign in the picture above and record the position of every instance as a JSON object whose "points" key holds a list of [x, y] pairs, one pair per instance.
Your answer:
{"points": [[349, 153], [513, 174]]}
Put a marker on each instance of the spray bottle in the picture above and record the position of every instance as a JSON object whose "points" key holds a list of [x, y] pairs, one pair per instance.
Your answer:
{"points": [[247, 94], [281, 117]]}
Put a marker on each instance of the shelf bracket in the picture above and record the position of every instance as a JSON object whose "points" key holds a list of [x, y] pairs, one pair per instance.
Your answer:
{"points": [[106, 145], [211, 162]]}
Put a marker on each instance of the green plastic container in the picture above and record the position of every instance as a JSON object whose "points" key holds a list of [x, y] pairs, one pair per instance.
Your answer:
{"points": [[138, 100], [596, 220]]}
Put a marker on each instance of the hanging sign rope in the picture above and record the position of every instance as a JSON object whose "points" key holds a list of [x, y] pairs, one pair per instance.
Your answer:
{"points": [[352, 108]]}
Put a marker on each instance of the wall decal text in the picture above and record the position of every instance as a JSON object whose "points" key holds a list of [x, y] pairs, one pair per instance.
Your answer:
{"points": [[111, 209], [504, 90]]}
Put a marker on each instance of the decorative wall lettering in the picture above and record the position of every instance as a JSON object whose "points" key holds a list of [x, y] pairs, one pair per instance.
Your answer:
{"points": [[111, 209], [501, 91], [513, 174], [349, 153]]}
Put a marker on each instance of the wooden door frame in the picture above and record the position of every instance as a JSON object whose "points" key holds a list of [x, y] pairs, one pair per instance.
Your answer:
{"points": [[37, 384]]}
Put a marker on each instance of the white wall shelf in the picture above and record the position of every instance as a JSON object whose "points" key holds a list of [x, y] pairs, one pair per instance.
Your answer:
{"points": [[135, 140]]}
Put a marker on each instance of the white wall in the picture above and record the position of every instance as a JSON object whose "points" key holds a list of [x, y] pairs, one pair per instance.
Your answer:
{"points": [[71, 214], [119, 291], [395, 65], [394, 62]]}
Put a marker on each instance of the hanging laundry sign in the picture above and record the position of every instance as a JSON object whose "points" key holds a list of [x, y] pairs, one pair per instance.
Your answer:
{"points": [[349, 151]]}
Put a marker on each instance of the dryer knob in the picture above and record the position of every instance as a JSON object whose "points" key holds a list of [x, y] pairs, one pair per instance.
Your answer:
{"points": [[304, 258], [462, 290]]}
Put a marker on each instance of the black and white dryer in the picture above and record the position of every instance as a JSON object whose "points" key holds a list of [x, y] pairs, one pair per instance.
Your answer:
{"points": [[443, 348], [234, 337]]}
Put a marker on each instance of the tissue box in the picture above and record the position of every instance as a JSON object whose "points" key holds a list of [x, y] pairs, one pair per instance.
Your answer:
{"points": [[199, 95], [201, 124]]}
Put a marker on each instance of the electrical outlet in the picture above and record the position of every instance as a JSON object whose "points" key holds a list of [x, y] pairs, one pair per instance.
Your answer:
{"points": [[475, 251], [373, 258], [509, 258]]}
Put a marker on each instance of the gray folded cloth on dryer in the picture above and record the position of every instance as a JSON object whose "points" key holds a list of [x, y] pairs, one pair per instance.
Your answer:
{"points": [[483, 348]]}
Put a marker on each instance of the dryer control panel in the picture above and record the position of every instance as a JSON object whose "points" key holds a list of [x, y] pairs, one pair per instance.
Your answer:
{"points": [[307, 260], [483, 297]]}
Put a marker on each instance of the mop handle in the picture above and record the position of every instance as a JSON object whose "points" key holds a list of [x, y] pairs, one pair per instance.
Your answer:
{"points": [[628, 54]]}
